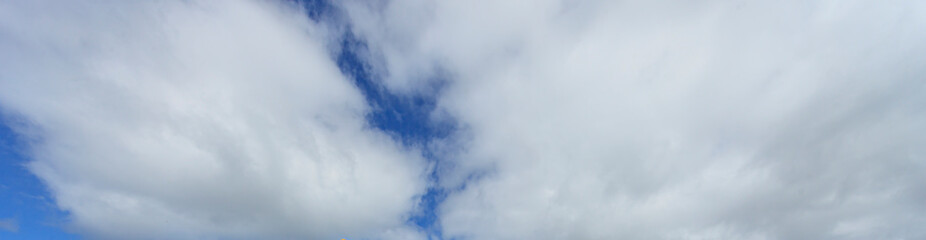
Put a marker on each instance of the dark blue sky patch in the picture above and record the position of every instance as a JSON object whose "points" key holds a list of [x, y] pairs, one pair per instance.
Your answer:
{"points": [[408, 117], [315, 9], [405, 117]]}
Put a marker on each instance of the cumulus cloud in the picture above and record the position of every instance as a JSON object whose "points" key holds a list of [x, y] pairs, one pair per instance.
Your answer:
{"points": [[9, 225], [669, 119], [198, 120]]}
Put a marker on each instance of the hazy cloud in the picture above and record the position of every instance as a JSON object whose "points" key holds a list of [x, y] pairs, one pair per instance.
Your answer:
{"points": [[577, 119], [198, 120], [671, 119], [9, 225]]}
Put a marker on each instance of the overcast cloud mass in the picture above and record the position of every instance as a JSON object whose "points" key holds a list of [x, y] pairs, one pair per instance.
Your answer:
{"points": [[570, 119]]}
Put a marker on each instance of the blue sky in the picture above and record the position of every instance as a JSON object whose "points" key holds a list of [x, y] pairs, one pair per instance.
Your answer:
{"points": [[24, 198], [460, 119]]}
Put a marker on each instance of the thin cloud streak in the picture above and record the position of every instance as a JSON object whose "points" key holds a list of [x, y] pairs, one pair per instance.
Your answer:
{"points": [[199, 119], [9, 224]]}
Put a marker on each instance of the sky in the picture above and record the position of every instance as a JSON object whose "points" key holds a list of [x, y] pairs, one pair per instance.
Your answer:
{"points": [[462, 119]]}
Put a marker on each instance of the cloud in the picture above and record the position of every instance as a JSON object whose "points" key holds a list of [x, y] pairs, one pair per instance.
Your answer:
{"points": [[198, 120], [9, 225], [669, 119], [578, 119]]}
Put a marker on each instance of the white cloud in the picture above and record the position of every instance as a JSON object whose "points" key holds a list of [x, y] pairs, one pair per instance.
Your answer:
{"points": [[671, 119], [580, 119], [198, 120]]}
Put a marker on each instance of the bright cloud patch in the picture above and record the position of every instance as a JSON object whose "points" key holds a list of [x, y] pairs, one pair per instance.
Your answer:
{"points": [[672, 119], [198, 119]]}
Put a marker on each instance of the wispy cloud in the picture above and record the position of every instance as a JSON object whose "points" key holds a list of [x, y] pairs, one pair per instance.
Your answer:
{"points": [[671, 119], [577, 119], [189, 119], [9, 224]]}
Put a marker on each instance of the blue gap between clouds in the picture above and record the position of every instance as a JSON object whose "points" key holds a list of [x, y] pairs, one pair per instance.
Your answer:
{"points": [[405, 117], [23, 196]]}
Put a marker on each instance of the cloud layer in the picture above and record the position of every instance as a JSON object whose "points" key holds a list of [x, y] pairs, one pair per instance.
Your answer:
{"points": [[198, 120], [670, 119], [577, 119]]}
